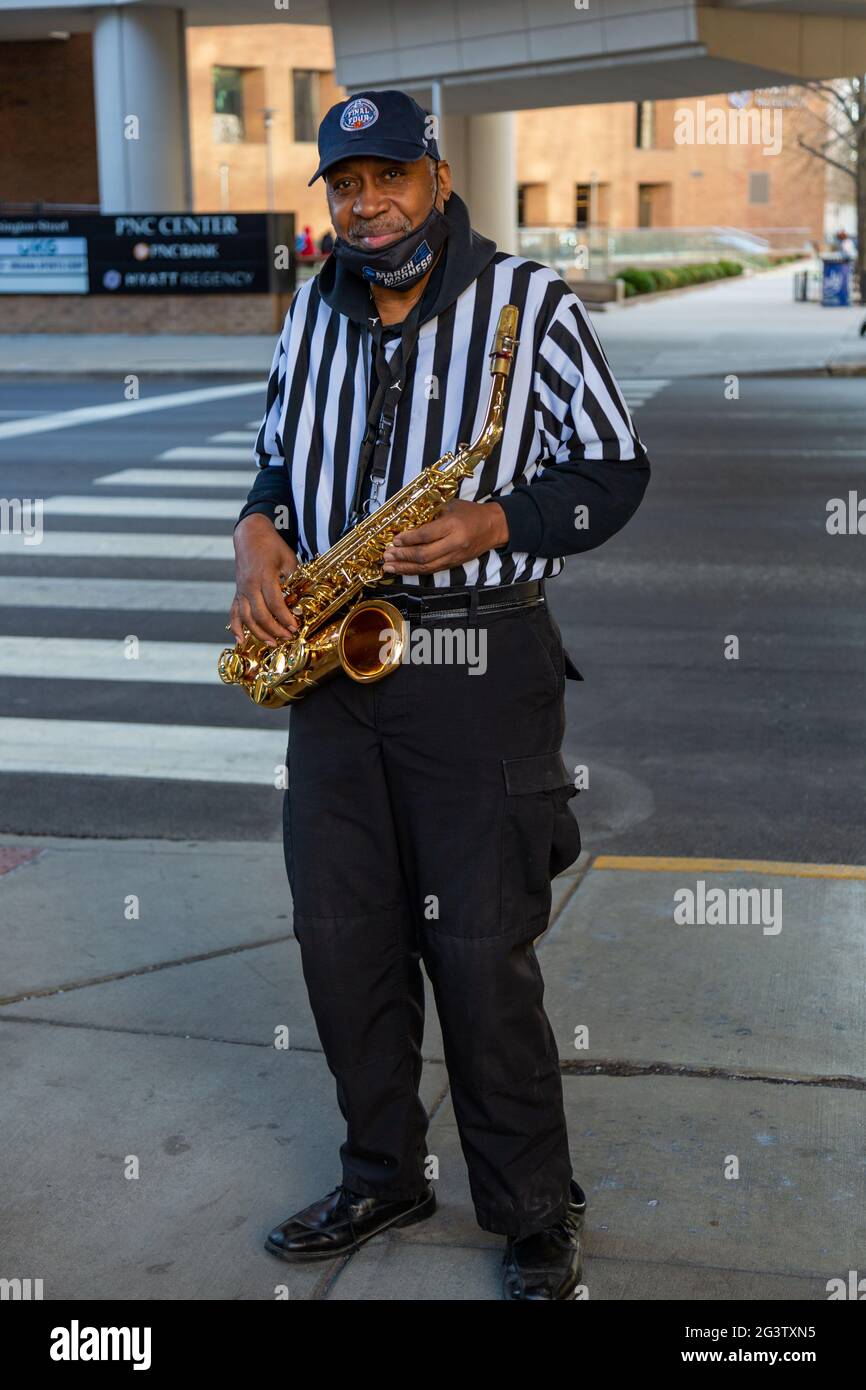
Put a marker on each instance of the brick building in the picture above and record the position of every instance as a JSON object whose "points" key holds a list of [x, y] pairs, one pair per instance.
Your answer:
{"points": [[256, 95], [619, 165]]}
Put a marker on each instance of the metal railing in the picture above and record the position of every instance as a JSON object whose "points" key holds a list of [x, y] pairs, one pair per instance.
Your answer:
{"points": [[597, 253]]}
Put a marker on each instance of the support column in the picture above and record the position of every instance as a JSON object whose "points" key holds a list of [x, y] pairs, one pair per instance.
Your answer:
{"points": [[142, 121], [482, 153]]}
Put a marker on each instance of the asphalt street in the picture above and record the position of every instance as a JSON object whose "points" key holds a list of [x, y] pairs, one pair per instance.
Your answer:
{"points": [[688, 752]]}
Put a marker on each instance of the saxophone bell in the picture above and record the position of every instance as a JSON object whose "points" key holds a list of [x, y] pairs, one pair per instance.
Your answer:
{"points": [[371, 640]]}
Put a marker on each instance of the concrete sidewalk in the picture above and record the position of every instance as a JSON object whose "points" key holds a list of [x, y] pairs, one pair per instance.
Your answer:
{"points": [[151, 1039], [750, 324]]}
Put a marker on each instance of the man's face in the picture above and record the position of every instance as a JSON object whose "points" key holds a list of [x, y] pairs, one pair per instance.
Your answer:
{"points": [[374, 202]]}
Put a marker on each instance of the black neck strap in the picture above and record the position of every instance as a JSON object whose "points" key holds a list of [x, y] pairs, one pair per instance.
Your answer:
{"points": [[391, 376]]}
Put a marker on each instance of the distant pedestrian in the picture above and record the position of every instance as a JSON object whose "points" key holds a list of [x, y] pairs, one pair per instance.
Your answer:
{"points": [[304, 244]]}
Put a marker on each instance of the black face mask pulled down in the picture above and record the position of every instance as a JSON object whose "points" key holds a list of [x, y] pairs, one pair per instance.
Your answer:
{"points": [[400, 265]]}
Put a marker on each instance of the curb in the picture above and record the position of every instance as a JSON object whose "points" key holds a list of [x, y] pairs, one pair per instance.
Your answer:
{"points": [[845, 368], [237, 374], [840, 369]]}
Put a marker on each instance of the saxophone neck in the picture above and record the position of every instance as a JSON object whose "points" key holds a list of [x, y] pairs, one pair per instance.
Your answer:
{"points": [[501, 356], [470, 455], [505, 340]]}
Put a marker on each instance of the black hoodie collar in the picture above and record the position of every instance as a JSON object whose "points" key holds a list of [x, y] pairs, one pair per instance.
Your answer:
{"points": [[466, 254]]}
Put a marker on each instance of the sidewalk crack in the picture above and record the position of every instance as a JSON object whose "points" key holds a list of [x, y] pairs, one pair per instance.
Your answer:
{"points": [[619, 1067]]}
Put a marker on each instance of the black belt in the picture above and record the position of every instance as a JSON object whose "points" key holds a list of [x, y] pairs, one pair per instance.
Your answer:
{"points": [[464, 601]]}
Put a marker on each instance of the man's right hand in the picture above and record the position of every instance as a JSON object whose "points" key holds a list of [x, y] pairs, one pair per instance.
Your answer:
{"points": [[261, 556]]}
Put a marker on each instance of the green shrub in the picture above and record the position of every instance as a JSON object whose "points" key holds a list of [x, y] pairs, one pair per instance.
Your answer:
{"points": [[640, 280], [645, 281], [666, 278]]}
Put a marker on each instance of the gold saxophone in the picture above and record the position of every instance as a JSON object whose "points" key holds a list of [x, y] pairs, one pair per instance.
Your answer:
{"points": [[329, 635]]}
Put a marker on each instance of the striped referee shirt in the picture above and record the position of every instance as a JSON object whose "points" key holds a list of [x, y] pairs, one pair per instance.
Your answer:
{"points": [[569, 469]]}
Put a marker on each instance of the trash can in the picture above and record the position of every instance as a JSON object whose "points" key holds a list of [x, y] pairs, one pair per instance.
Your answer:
{"points": [[836, 282]]}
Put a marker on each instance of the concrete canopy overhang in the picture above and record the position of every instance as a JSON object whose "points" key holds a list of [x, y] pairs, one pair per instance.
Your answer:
{"points": [[506, 55], [501, 55]]}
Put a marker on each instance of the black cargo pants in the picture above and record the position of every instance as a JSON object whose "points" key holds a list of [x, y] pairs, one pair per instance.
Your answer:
{"points": [[424, 818]]}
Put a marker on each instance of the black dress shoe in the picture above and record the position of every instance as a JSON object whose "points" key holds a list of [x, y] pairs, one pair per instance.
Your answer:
{"points": [[548, 1263], [342, 1220]]}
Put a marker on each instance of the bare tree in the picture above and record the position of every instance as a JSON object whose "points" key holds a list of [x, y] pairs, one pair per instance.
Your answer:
{"points": [[836, 133]]}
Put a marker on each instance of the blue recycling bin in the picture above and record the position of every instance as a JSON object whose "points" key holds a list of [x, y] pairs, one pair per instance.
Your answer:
{"points": [[836, 282]]}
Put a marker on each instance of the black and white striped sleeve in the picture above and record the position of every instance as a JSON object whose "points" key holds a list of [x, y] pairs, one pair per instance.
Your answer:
{"points": [[594, 468], [271, 492]]}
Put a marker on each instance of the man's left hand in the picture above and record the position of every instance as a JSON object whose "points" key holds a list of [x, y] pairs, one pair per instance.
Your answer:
{"points": [[461, 532]]}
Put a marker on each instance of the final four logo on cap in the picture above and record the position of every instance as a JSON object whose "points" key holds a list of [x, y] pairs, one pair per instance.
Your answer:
{"points": [[360, 113]]}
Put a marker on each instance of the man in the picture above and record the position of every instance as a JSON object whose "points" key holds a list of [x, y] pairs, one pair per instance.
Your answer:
{"points": [[427, 812]]}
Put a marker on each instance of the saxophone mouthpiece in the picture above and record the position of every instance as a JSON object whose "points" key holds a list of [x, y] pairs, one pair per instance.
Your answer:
{"points": [[504, 341]]}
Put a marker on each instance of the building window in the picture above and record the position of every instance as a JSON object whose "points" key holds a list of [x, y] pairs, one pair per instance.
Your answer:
{"points": [[531, 204], [305, 103], [655, 205], [759, 188], [238, 105], [582, 204], [645, 125], [228, 105]]}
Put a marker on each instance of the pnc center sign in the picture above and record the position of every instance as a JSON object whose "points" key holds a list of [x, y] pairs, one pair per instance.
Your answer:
{"points": [[148, 253]]}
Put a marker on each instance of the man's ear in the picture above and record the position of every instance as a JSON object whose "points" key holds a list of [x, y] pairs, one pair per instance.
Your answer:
{"points": [[445, 184]]}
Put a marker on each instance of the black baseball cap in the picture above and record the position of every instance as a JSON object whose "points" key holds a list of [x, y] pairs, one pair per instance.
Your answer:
{"points": [[386, 123]]}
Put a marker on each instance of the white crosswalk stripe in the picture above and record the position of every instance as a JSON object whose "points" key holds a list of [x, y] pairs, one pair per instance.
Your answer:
{"points": [[639, 390], [175, 752], [198, 509], [95, 659], [196, 453], [248, 437], [109, 545], [130, 595], [176, 477]]}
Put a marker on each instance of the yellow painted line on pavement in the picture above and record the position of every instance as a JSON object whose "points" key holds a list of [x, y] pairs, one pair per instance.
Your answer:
{"points": [[663, 864]]}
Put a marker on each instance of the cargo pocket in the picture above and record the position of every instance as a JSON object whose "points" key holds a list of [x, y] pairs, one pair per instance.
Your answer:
{"points": [[540, 837]]}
